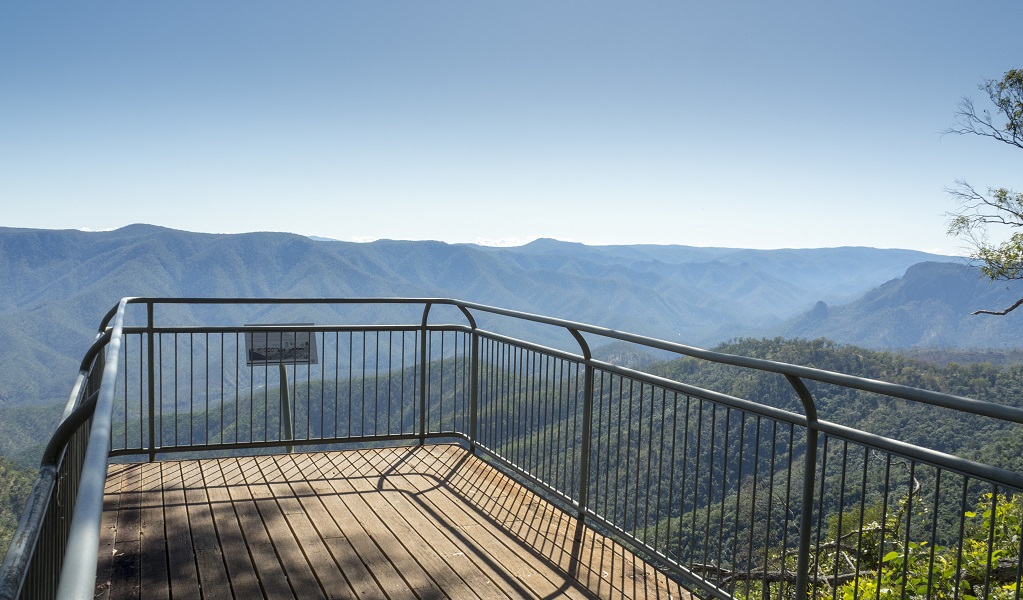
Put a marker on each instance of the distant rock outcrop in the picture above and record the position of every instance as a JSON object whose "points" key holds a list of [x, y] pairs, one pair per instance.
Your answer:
{"points": [[929, 306]]}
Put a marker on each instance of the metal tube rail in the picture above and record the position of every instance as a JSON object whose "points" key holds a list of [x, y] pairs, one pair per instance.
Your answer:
{"points": [[969, 405], [78, 577]]}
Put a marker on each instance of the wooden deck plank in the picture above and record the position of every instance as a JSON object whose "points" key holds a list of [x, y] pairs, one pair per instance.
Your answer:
{"points": [[289, 551], [244, 582], [530, 576], [355, 571], [108, 529], [404, 504], [153, 576], [385, 572], [184, 575], [426, 522], [486, 544], [327, 572], [273, 579], [367, 483], [404, 561], [209, 556], [127, 545], [364, 549], [496, 524]]}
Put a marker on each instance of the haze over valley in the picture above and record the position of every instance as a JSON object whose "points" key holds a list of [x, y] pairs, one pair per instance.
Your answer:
{"points": [[59, 284]]}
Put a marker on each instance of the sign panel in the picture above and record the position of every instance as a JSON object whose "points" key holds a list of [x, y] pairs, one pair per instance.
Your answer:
{"points": [[277, 347]]}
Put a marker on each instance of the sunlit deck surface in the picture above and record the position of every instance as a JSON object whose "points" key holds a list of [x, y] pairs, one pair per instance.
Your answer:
{"points": [[416, 522]]}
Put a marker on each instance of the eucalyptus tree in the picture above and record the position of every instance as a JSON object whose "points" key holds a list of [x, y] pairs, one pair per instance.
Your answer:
{"points": [[977, 210]]}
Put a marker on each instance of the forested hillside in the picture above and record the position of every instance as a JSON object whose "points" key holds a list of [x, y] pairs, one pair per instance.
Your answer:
{"points": [[927, 426], [15, 486]]}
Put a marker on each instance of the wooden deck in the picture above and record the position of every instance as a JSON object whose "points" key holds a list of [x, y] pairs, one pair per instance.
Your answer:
{"points": [[424, 522]]}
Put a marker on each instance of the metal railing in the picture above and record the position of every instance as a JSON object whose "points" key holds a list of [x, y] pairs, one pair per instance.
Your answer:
{"points": [[733, 497], [63, 509]]}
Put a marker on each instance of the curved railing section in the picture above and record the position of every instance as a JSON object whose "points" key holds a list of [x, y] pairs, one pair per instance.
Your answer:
{"points": [[734, 497]]}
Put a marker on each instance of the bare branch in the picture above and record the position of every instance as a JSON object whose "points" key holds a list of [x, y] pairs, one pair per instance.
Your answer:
{"points": [[1000, 312], [1007, 96], [998, 206]]}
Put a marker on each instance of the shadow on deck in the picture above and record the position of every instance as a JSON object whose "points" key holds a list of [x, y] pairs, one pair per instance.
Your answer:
{"points": [[411, 522]]}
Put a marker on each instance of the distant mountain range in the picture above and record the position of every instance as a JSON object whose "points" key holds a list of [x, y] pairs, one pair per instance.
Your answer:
{"points": [[58, 284]]}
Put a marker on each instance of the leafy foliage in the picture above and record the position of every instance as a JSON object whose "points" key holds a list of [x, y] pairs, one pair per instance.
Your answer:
{"points": [[919, 570], [998, 206], [15, 485]]}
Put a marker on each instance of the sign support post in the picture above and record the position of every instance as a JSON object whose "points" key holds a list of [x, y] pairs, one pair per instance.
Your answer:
{"points": [[288, 432], [277, 345]]}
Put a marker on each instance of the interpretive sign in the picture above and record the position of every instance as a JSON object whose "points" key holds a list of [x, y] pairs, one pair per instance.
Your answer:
{"points": [[280, 347]]}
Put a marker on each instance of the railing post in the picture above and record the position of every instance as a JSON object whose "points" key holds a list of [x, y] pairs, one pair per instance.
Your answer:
{"points": [[809, 481], [474, 392], [584, 468], [584, 459], [152, 383], [423, 364], [95, 379], [288, 432]]}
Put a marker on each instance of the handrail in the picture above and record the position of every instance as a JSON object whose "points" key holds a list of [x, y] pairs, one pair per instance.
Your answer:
{"points": [[971, 405], [960, 403], [67, 427], [580, 493], [78, 577]]}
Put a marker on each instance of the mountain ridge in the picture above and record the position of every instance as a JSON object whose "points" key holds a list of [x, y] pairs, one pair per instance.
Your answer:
{"points": [[60, 282]]}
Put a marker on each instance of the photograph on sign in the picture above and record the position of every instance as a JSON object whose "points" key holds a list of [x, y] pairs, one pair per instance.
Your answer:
{"points": [[276, 347]]}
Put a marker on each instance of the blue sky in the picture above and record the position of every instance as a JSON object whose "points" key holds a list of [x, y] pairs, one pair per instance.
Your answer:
{"points": [[746, 124]]}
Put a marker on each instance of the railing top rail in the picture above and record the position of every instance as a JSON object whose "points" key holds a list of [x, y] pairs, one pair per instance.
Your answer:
{"points": [[951, 401], [78, 576], [970, 405]]}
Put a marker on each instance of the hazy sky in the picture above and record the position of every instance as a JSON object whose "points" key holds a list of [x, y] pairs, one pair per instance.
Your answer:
{"points": [[750, 124]]}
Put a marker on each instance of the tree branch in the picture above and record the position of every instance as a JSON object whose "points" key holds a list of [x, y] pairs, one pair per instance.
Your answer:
{"points": [[999, 312], [1007, 97]]}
